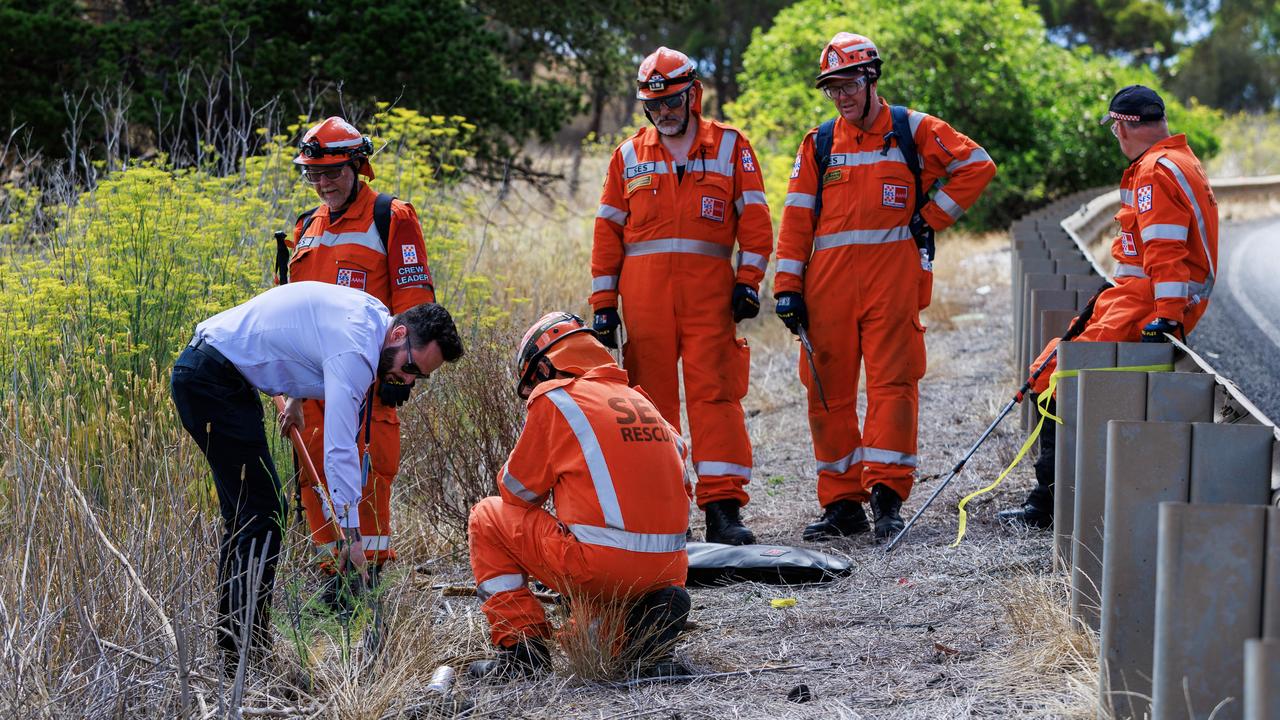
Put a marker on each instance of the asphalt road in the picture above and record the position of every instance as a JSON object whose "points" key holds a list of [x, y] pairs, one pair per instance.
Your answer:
{"points": [[1240, 333]]}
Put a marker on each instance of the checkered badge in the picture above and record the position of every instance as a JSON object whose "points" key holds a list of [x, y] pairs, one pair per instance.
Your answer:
{"points": [[1144, 198], [894, 196], [409, 254], [1127, 245], [713, 208], [832, 59], [353, 279], [795, 168], [748, 164]]}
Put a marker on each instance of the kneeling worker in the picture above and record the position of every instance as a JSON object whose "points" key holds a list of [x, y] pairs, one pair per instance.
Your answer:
{"points": [[303, 340], [614, 469]]}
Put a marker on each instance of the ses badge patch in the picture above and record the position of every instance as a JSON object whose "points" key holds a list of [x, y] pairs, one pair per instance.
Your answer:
{"points": [[1144, 198], [795, 168], [348, 277], [409, 255], [748, 163], [713, 208], [894, 196], [1127, 245]]}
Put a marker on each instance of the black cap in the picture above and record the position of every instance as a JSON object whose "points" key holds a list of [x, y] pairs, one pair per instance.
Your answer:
{"points": [[1135, 103]]}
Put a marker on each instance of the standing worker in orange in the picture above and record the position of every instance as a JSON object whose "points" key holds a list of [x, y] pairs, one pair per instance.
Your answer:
{"points": [[1166, 259], [676, 198], [368, 241], [854, 271], [613, 468]]}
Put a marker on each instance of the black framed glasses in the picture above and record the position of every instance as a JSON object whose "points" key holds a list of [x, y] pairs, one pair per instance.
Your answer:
{"points": [[836, 92], [312, 177], [410, 367], [671, 103]]}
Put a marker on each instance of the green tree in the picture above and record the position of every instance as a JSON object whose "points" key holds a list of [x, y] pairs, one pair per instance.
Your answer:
{"points": [[1141, 29], [1237, 66], [987, 69]]}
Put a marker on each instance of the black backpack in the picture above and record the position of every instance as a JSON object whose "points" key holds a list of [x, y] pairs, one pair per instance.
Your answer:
{"points": [[381, 222], [901, 133]]}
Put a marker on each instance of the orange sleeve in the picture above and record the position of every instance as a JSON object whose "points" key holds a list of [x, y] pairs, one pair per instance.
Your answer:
{"points": [[411, 282], [950, 154], [526, 478], [1164, 227], [755, 227], [795, 237], [606, 243]]}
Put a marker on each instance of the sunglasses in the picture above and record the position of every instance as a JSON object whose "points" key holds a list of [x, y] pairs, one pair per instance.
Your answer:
{"points": [[313, 176], [671, 103], [849, 88], [411, 368]]}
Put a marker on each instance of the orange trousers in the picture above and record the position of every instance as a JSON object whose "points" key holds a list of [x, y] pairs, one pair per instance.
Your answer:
{"points": [[1118, 316], [375, 498], [670, 319], [510, 544], [864, 310]]}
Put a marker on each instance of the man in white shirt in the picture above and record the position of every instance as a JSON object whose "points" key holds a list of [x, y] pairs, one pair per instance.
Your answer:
{"points": [[306, 340]]}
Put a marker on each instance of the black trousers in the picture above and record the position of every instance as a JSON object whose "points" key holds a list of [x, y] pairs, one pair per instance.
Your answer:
{"points": [[223, 413], [1041, 496]]}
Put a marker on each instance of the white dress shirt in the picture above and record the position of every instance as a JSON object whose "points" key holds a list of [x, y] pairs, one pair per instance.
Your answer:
{"points": [[311, 340]]}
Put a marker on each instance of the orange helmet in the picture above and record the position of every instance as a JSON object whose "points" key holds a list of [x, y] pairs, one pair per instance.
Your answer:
{"points": [[557, 342], [335, 142], [668, 72], [846, 52]]}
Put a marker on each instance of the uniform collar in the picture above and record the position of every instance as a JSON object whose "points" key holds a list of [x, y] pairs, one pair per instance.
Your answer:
{"points": [[882, 125], [602, 373], [704, 139], [1170, 143]]}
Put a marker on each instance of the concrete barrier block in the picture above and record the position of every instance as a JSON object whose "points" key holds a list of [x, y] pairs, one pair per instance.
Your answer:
{"points": [[1103, 396], [1262, 679], [1147, 463], [1230, 463], [1071, 356], [1087, 282], [1271, 577], [1208, 603], [1141, 354], [1022, 268], [1053, 323], [1030, 283], [1182, 397], [1042, 300], [1073, 267]]}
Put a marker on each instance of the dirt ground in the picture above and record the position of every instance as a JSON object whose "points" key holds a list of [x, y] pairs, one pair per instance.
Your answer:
{"points": [[926, 632]]}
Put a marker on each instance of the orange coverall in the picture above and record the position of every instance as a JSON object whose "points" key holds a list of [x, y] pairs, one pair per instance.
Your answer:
{"points": [[665, 245], [347, 251], [864, 285], [1167, 250], [613, 468]]}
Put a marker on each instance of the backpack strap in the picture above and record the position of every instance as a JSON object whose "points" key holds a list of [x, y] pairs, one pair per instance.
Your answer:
{"points": [[382, 216], [822, 159], [901, 133]]}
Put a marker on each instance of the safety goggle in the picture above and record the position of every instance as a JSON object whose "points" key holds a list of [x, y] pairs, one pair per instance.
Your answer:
{"points": [[410, 367], [312, 177], [834, 91], [671, 103]]}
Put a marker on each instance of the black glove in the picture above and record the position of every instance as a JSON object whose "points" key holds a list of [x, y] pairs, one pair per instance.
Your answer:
{"points": [[923, 233], [792, 311], [393, 393], [746, 302], [1154, 331], [605, 324]]}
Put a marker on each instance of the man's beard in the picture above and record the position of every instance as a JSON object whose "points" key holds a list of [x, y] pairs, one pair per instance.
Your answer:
{"points": [[672, 127], [385, 359]]}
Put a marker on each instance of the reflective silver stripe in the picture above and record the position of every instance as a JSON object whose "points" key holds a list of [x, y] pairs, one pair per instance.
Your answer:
{"points": [[1126, 197], [380, 543], [676, 245], [715, 467], [859, 46], [870, 157], [1172, 290], [501, 583], [612, 214], [367, 239], [804, 200], [795, 267], [1164, 232], [976, 156], [914, 120], [750, 197], [517, 488], [842, 465], [594, 455], [351, 142], [948, 206], [623, 540], [725, 155], [604, 282], [1123, 270], [888, 457], [755, 260], [861, 237], [628, 150], [681, 447], [630, 162], [1195, 206]]}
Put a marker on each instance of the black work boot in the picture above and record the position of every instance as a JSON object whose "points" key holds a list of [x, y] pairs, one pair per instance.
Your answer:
{"points": [[725, 526], [841, 518], [885, 505], [1036, 512], [526, 659], [653, 624]]}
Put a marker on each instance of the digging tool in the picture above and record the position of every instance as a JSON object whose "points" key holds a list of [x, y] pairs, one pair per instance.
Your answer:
{"points": [[813, 368], [301, 450], [1075, 329]]}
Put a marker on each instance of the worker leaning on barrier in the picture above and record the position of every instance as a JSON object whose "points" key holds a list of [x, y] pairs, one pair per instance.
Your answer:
{"points": [[675, 199], [1166, 258], [853, 272], [342, 242], [614, 471]]}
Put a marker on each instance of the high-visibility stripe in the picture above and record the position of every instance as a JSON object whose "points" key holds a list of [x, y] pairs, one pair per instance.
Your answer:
{"points": [[631, 163], [517, 488], [887, 457], [843, 464], [1172, 290], [604, 282], [367, 239], [676, 245], [1195, 207], [795, 267], [795, 199], [499, 584], [594, 455], [948, 205], [755, 260], [612, 214], [750, 197], [858, 46], [868, 157], [977, 156], [1164, 232], [1123, 270], [1126, 197], [914, 120], [350, 142], [715, 467], [624, 540], [861, 237]]}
